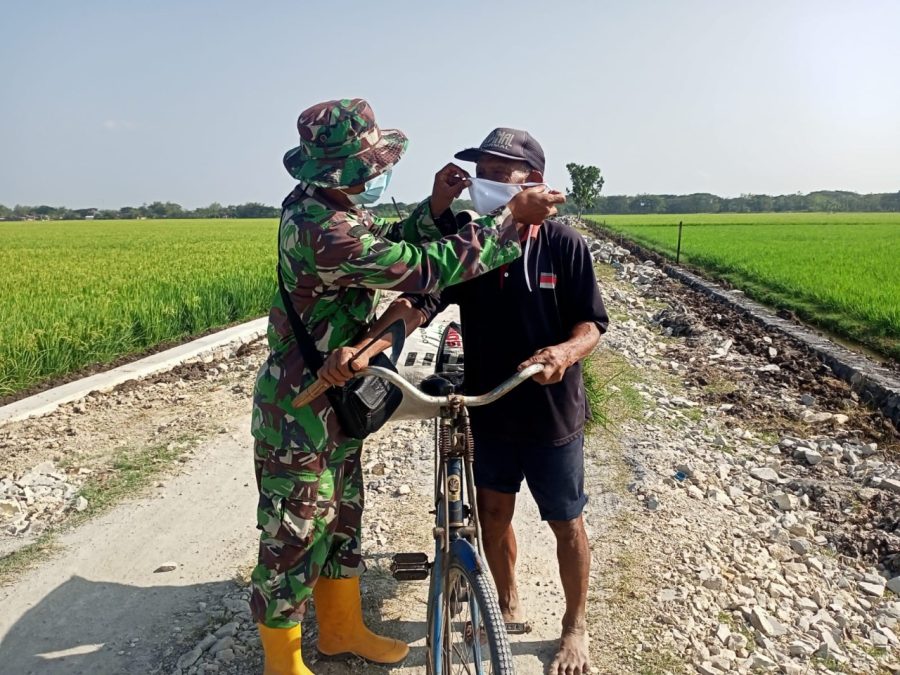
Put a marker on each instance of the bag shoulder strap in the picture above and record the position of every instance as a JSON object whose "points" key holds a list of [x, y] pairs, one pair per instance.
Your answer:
{"points": [[304, 340]]}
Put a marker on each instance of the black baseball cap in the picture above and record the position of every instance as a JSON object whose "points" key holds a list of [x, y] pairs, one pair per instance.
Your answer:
{"points": [[510, 144]]}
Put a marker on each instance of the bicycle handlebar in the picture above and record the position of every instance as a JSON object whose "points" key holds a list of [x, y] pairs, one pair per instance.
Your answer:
{"points": [[410, 390]]}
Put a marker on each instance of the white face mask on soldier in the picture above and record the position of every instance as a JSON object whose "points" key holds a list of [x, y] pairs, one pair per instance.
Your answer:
{"points": [[489, 195], [374, 188]]}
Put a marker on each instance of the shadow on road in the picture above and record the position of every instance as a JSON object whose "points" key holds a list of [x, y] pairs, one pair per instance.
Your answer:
{"points": [[101, 628]]}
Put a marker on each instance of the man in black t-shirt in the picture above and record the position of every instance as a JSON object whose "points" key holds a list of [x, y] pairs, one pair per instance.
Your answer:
{"points": [[544, 307]]}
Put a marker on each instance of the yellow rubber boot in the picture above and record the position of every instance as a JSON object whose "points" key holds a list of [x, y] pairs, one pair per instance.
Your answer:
{"points": [[282, 649], [341, 627]]}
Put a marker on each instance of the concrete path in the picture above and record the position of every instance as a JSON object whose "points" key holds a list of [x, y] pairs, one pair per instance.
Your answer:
{"points": [[47, 401]]}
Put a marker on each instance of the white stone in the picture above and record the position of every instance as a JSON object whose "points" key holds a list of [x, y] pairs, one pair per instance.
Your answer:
{"points": [[889, 634], [812, 457], [723, 633], [800, 545], [226, 642], [760, 663], [764, 473], [785, 502], [780, 590], [878, 639], [800, 648], [228, 630], [667, 595], [891, 485], [714, 584], [829, 646], [807, 604], [762, 621], [719, 497], [873, 589], [208, 641], [189, 659]]}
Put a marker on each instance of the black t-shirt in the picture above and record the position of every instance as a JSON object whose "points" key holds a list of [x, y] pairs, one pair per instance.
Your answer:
{"points": [[503, 323]]}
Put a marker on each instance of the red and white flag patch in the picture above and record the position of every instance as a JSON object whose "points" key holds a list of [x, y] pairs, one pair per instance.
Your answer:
{"points": [[547, 280]]}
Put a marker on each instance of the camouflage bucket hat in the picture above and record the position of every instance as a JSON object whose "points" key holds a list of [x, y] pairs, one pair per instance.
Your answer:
{"points": [[341, 145]]}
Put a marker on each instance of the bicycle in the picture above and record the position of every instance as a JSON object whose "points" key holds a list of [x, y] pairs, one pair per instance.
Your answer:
{"points": [[465, 629]]}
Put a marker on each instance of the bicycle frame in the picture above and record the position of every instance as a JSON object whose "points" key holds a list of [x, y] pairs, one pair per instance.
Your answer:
{"points": [[457, 530], [457, 533]]}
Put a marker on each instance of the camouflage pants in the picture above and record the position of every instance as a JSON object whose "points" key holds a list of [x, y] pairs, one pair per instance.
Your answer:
{"points": [[310, 514]]}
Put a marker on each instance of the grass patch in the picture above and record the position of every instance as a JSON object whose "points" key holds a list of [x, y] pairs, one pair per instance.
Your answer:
{"points": [[604, 272], [661, 662], [128, 476], [830, 663], [874, 652], [720, 387], [609, 386], [12, 565], [242, 574], [694, 414]]}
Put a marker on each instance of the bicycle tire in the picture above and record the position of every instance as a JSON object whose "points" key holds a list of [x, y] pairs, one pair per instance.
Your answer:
{"points": [[483, 594]]}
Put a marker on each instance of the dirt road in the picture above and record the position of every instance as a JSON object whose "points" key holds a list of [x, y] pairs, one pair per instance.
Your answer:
{"points": [[98, 608]]}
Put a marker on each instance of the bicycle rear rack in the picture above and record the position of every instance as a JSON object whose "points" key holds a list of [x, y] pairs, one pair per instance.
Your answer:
{"points": [[410, 566]]}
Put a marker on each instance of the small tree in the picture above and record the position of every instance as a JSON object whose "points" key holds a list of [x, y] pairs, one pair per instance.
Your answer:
{"points": [[586, 185]]}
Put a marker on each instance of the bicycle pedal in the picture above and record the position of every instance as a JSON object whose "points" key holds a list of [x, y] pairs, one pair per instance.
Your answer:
{"points": [[410, 566]]}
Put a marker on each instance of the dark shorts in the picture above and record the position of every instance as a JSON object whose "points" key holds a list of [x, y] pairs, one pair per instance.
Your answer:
{"points": [[555, 475]]}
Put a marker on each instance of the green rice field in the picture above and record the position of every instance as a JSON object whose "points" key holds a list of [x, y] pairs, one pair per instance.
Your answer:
{"points": [[840, 271], [78, 293]]}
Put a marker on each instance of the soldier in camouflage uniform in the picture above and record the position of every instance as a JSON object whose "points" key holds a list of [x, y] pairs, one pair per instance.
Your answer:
{"points": [[335, 257]]}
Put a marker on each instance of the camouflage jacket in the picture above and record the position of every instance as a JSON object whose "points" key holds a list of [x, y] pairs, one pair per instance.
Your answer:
{"points": [[335, 263]]}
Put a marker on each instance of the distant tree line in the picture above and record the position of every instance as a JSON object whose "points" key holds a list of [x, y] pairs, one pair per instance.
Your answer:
{"points": [[701, 202], [154, 210], [704, 202]]}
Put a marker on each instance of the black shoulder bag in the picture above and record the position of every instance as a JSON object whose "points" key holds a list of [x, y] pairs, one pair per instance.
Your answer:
{"points": [[364, 404]]}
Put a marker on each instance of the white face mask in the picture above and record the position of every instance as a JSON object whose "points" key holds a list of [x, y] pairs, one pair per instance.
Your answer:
{"points": [[489, 195]]}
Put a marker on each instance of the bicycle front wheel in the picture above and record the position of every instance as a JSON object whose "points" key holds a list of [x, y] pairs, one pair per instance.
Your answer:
{"points": [[473, 634]]}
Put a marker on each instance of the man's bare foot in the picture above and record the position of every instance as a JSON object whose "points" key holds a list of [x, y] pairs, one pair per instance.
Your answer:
{"points": [[513, 613], [572, 657]]}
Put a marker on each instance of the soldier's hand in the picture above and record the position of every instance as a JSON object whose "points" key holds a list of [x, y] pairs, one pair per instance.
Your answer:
{"points": [[449, 183], [342, 364], [533, 205]]}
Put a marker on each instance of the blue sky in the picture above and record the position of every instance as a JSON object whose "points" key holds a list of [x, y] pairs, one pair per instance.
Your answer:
{"points": [[117, 103]]}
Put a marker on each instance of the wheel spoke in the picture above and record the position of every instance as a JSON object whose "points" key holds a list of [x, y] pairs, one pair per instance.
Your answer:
{"points": [[467, 651]]}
